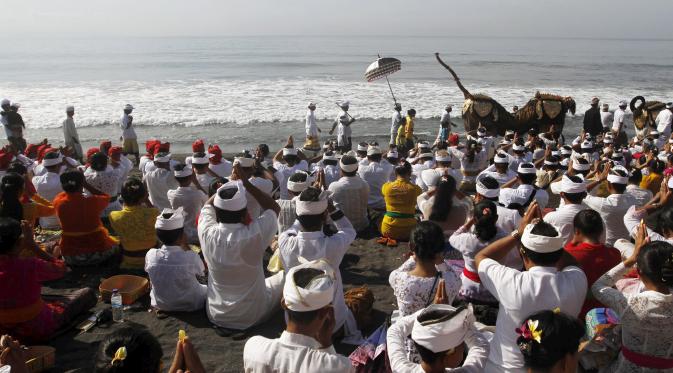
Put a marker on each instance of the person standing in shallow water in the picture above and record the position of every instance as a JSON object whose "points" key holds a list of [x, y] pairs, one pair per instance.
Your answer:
{"points": [[343, 126], [70, 133]]}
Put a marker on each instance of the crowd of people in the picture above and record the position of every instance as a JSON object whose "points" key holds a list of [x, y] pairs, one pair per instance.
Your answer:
{"points": [[478, 212]]}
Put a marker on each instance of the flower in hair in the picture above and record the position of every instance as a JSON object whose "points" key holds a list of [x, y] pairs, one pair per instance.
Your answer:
{"points": [[529, 331], [120, 355]]}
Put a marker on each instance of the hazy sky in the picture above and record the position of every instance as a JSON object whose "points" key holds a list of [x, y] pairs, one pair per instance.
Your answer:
{"points": [[564, 18]]}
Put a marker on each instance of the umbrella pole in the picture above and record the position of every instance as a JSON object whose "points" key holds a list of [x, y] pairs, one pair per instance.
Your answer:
{"points": [[391, 89]]}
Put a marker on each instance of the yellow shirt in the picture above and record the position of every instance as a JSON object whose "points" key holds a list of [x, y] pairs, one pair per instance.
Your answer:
{"points": [[134, 225], [38, 207], [400, 196], [652, 182]]}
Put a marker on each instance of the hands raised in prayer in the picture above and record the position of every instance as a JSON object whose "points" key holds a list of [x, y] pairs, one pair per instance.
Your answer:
{"points": [[186, 359], [440, 293]]}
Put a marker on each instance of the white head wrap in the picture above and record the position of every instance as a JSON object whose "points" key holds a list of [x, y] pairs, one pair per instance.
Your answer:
{"points": [[550, 163], [128, 107], [424, 145], [564, 162], [581, 167], [541, 244], [298, 186], [518, 148], [362, 148], [504, 142], [654, 132], [69, 108], [330, 157], [607, 140], [236, 203], [244, 162], [484, 191], [312, 208], [425, 155], [162, 159], [663, 157], [200, 160], [509, 196], [616, 179], [318, 293], [444, 157], [48, 162], [566, 150], [622, 103], [392, 154], [556, 153], [509, 132], [587, 145], [439, 336], [373, 150], [348, 167], [569, 186], [289, 151], [669, 105], [670, 183], [175, 221], [501, 158], [185, 172], [526, 168]]}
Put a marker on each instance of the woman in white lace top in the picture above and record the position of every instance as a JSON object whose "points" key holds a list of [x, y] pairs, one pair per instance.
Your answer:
{"points": [[415, 282], [646, 317]]}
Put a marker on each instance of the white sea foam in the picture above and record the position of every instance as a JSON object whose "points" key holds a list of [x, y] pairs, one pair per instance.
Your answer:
{"points": [[238, 103]]}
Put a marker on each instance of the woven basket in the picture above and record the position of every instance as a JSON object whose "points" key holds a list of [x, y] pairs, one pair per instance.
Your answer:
{"points": [[130, 287]]}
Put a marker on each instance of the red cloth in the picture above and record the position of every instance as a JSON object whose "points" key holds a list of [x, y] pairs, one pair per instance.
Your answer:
{"points": [[31, 151], [471, 275], [91, 152], [198, 146], [453, 139], [20, 279], [150, 147], [646, 361], [216, 154], [595, 260], [105, 146], [42, 150], [83, 232], [163, 147], [5, 160], [115, 152]]}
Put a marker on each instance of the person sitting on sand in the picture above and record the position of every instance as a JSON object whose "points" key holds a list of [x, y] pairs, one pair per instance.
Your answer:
{"points": [[430, 177], [441, 334], [480, 231], [350, 193], [218, 164], [297, 183], [330, 167], [400, 196], [233, 247], [160, 180], [48, 185], [375, 173], [526, 190], [552, 280], [23, 312], [472, 162], [549, 341], [287, 161], [189, 196], [489, 189], [445, 206], [136, 350], [150, 151], [198, 146], [120, 162], [173, 268], [306, 343], [307, 240], [160, 147], [573, 191], [84, 240], [12, 189], [248, 168], [134, 224], [106, 179], [414, 283], [202, 172]]}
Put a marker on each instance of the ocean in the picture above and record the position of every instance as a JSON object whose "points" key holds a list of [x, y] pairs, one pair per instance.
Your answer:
{"points": [[241, 91]]}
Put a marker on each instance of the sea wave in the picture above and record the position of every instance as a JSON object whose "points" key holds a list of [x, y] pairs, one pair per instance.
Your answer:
{"points": [[238, 103]]}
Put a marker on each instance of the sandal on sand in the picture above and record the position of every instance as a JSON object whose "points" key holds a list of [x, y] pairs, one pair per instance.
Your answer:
{"points": [[382, 240], [391, 243]]}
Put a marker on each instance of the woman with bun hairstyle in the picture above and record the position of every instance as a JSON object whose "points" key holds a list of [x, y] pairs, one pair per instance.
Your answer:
{"points": [[646, 318], [471, 241], [548, 341]]}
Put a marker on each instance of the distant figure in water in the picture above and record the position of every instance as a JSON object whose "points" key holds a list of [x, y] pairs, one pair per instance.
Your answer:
{"points": [[343, 125]]}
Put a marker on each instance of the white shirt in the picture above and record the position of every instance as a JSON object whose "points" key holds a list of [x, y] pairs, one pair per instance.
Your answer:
{"points": [[612, 209], [562, 219], [663, 122], [395, 124], [159, 182], [127, 127], [285, 172], [48, 186], [500, 178], [606, 119], [144, 160], [125, 165], [477, 348], [238, 295], [508, 219], [350, 195], [430, 178], [343, 128], [446, 118], [173, 272], [632, 220], [295, 243], [222, 169], [204, 180], [521, 294], [376, 174], [618, 121], [292, 353], [311, 126], [71, 137], [640, 195], [191, 200]]}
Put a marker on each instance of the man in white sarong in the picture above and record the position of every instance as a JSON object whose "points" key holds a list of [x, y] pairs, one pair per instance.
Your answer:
{"points": [[70, 133], [312, 138]]}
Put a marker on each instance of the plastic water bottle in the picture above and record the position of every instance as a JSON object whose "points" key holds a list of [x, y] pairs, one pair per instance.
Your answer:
{"points": [[117, 306]]}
